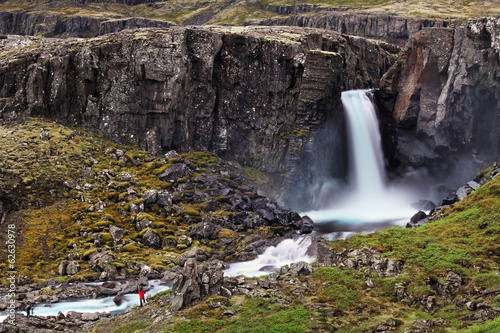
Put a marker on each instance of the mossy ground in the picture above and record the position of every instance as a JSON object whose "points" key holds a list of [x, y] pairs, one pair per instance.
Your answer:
{"points": [[58, 221]]}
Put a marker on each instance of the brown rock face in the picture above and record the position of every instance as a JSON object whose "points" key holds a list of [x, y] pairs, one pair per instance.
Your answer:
{"points": [[244, 93], [444, 94]]}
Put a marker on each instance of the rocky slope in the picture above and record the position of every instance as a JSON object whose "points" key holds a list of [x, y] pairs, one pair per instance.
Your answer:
{"points": [[442, 276], [443, 93]]}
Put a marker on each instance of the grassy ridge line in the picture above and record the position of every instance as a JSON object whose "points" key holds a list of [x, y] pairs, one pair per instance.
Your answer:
{"points": [[240, 11]]}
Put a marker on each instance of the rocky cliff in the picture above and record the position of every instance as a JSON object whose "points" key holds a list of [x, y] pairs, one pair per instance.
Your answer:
{"points": [[390, 28], [53, 24], [256, 95], [444, 95]]}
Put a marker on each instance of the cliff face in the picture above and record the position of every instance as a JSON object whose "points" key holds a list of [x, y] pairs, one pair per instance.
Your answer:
{"points": [[256, 95], [393, 29], [51, 24], [444, 95]]}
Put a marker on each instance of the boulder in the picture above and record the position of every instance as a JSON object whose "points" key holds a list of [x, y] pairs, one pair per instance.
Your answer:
{"points": [[204, 230], [90, 316], [142, 223], [175, 172], [116, 233], [196, 282], [300, 268], [150, 196], [164, 198], [72, 268], [62, 267], [306, 225], [151, 239], [418, 216]]}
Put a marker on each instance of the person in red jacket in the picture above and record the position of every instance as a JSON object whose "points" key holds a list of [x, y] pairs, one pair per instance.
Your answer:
{"points": [[141, 295]]}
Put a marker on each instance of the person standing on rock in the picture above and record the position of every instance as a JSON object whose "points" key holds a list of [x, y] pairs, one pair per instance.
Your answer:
{"points": [[141, 295], [29, 310]]}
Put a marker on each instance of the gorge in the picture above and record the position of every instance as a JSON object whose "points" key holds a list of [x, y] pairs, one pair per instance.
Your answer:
{"points": [[145, 152]]}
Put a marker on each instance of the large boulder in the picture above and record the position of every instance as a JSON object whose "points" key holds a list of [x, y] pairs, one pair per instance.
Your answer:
{"points": [[72, 268], [196, 282], [151, 239], [175, 172], [116, 233], [204, 230]]}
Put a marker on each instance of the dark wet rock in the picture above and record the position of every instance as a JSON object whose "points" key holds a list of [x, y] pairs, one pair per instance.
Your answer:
{"points": [[427, 89], [450, 199], [306, 225], [418, 216]]}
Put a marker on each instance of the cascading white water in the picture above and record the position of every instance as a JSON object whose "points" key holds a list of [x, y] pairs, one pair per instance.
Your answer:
{"points": [[285, 253], [365, 144], [368, 201]]}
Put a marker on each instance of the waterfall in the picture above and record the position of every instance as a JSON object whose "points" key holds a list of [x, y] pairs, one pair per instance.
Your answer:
{"points": [[368, 203], [367, 170]]}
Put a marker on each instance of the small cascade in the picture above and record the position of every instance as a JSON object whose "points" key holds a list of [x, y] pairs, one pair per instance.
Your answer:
{"points": [[285, 253]]}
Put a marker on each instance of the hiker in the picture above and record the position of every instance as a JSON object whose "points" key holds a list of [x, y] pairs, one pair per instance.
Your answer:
{"points": [[29, 310], [141, 296]]}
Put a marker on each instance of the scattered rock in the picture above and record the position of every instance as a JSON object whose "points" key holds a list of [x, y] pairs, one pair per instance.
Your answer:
{"points": [[175, 172]]}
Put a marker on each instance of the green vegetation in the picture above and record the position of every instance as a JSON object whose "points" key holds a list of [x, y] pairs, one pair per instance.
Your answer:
{"points": [[228, 12], [132, 326], [489, 327], [339, 287], [256, 315]]}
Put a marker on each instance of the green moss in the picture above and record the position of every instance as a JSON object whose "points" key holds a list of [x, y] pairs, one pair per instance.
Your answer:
{"points": [[130, 247]]}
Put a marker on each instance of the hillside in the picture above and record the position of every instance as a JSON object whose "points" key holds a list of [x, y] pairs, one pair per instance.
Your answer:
{"points": [[86, 201], [241, 11]]}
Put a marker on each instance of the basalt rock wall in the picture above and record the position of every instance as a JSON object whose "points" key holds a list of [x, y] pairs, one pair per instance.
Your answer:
{"points": [[258, 96], [390, 28], [444, 95], [52, 24]]}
